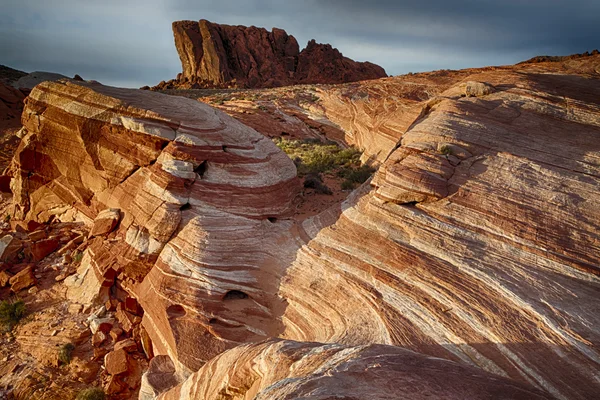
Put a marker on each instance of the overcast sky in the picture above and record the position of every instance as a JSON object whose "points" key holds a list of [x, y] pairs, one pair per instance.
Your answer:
{"points": [[130, 43]]}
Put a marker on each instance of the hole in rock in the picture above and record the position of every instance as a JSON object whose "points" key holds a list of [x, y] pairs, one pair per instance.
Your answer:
{"points": [[411, 203], [201, 169], [272, 220], [163, 145], [175, 311], [186, 206], [213, 321], [235, 295], [224, 148]]}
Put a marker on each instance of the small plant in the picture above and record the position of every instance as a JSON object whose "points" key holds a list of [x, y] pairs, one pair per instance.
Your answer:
{"points": [[314, 181], [78, 257], [347, 185], [11, 312], [65, 353], [355, 176], [91, 394], [446, 150]]}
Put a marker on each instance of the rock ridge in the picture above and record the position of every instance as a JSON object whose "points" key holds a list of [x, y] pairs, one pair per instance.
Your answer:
{"points": [[214, 55]]}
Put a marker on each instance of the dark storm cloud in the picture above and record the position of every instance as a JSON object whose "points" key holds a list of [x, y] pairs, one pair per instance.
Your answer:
{"points": [[129, 42]]}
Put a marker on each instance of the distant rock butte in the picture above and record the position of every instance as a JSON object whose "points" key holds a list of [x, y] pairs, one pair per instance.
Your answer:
{"points": [[214, 55], [476, 241]]}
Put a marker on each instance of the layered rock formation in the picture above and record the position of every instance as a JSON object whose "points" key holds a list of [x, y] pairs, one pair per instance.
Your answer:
{"points": [[215, 55], [291, 370], [178, 171], [475, 242]]}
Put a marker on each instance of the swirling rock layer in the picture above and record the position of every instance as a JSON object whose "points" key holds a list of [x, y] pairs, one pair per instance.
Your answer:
{"points": [[239, 56], [476, 241], [199, 195], [291, 370]]}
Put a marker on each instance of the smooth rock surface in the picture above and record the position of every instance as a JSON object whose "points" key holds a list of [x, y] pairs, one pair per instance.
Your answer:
{"points": [[290, 370]]}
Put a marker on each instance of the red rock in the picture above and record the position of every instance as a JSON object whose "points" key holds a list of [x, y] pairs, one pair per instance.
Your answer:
{"points": [[99, 353], [222, 55], [37, 235], [22, 280], [4, 278], [10, 247], [41, 249], [105, 222], [125, 319], [146, 343], [131, 305], [129, 345], [98, 338], [116, 362], [114, 385], [111, 304], [115, 333]]}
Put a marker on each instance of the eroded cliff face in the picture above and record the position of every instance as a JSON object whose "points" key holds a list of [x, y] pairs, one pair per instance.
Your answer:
{"points": [[223, 55], [476, 241]]}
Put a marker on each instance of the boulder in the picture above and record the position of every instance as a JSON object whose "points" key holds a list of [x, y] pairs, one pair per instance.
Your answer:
{"points": [[99, 337], [22, 280], [43, 248], [116, 362], [105, 222], [129, 345], [10, 247]]}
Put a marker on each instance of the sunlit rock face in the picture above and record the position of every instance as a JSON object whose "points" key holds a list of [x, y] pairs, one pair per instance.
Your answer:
{"points": [[203, 200], [477, 239], [475, 242]]}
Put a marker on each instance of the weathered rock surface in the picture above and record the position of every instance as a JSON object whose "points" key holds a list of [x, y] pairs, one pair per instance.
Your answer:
{"points": [[192, 172], [477, 238], [291, 370], [223, 55], [475, 242]]}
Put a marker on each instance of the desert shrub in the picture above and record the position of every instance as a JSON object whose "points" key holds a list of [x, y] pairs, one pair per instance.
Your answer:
{"points": [[347, 185], [446, 150], [313, 156], [91, 394], [314, 181], [11, 312], [355, 176], [65, 353], [78, 257]]}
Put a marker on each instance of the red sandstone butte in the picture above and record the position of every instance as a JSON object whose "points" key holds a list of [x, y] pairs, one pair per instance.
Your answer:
{"points": [[224, 55]]}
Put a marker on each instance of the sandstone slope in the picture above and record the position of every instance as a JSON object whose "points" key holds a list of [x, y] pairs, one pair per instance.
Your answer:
{"points": [[475, 242]]}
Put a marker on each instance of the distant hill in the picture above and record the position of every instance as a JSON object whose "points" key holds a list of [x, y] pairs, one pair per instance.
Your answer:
{"points": [[540, 59], [9, 75]]}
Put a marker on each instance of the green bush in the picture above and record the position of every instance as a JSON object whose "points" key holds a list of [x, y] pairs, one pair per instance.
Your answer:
{"points": [[313, 156], [91, 394], [65, 353], [11, 312], [314, 181], [78, 257], [446, 150]]}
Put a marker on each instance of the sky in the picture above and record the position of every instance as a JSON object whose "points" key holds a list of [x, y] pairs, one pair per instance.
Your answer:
{"points": [[129, 43]]}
